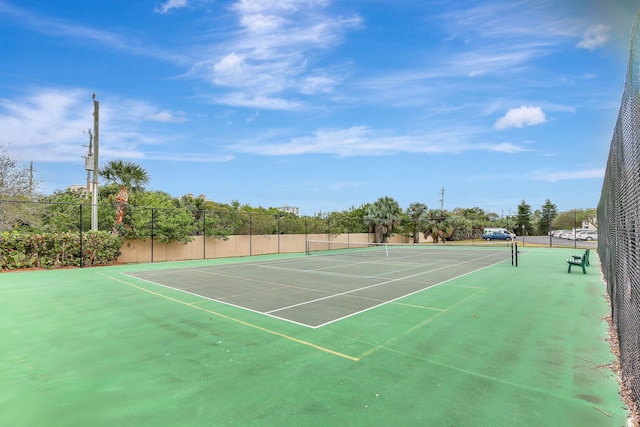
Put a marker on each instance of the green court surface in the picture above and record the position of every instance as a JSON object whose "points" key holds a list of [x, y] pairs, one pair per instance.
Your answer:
{"points": [[500, 346]]}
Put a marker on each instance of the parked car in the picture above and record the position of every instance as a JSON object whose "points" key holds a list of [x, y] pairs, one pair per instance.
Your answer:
{"points": [[564, 234], [573, 233], [498, 235], [587, 235]]}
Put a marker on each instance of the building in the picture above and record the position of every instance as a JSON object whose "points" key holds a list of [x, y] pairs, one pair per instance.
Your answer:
{"points": [[290, 209]]}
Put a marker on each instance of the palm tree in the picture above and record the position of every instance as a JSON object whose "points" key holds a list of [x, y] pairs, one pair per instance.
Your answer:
{"points": [[416, 212], [438, 227], [383, 216], [129, 176]]}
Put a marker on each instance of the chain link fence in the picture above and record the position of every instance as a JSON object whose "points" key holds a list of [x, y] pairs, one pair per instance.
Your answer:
{"points": [[619, 217], [157, 226], [254, 233]]}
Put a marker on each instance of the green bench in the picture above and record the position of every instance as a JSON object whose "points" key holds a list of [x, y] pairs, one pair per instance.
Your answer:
{"points": [[580, 260]]}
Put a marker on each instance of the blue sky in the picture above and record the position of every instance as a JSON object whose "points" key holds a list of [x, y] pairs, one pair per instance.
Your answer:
{"points": [[322, 104]]}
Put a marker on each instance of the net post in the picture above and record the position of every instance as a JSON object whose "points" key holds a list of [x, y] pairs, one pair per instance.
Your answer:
{"points": [[516, 253], [512, 259]]}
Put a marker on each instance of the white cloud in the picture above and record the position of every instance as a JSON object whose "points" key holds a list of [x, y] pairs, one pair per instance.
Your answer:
{"points": [[280, 6], [59, 27], [141, 111], [188, 157], [513, 21], [56, 27], [363, 141], [525, 115], [51, 125], [269, 54], [46, 125], [493, 59], [167, 117], [239, 99], [568, 175], [259, 23], [504, 147], [595, 37], [167, 6], [230, 70], [317, 84]]}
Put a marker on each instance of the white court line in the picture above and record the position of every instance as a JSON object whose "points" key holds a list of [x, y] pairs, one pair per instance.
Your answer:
{"points": [[274, 316], [348, 261], [400, 297], [333, 273], [217, 300], [375, 285]]}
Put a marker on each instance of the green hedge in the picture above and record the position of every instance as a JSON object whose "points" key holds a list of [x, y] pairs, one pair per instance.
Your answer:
{"points": [[53, 250]]}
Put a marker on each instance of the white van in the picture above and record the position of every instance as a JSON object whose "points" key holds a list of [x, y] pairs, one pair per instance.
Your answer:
{"points": [[497, 234]]}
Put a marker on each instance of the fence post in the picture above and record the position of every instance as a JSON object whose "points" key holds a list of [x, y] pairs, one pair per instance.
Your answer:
{"points": [[1, 242], [204, 234], [81, 254], [550, 231], [575, 228], [250, 234], [153, 211]]}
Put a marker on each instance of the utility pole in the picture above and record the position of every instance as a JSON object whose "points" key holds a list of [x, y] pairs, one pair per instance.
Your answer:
{"points": [[31, 171], [94, 192], [88, 163], [442, 198]]}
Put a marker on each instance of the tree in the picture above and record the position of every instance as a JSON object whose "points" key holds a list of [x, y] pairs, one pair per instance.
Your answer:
{"points": [[463, 228], [523, 221], [573, 218], [197, 207], [155, 214], [438, 226], [591, 216], [128, 176], [17, 190], [548, 213], [476, 220], [416, 213], [474, 214], [15, 179], [383, 216], [492, 216]]}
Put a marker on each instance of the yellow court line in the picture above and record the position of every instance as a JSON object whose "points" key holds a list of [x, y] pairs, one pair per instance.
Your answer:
{"points": [[417, 306], [468, 287], [242, 322], [383, 345]]}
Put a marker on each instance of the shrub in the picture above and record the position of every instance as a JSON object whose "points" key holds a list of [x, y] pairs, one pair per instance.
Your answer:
{"points": [[52, 250]]}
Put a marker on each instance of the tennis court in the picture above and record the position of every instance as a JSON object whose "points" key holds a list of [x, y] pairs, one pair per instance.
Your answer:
{"points": [[458, 337], [331, 284]]}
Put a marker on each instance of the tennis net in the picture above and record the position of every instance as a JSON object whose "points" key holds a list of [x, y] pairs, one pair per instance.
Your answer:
{"points": [[368, 249], [327, 247]]}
